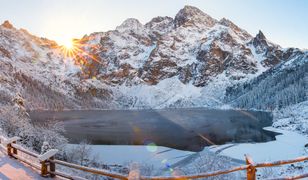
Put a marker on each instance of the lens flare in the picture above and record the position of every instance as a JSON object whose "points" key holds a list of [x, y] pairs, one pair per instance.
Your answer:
{"points": [[164, 161], [151, 146]]}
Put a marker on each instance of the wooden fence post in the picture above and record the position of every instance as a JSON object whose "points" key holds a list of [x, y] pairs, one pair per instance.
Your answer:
{"points": [[44, 170], [52, 167], [45, 161], [251, 170], [9, 146], [14, 149]]}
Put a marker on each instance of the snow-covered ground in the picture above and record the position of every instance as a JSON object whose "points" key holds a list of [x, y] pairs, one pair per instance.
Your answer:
{"points": [[12, 169], [156, 156], [288, 145], [292, 123], [293, 118]]}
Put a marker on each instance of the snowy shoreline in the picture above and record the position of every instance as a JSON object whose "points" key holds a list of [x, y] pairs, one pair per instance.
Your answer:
{"points": [[156, 156], [287, 145], [222, 107]]}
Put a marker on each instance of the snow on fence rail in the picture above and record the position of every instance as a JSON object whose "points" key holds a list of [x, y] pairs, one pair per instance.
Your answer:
{"points": [[47, 165]]}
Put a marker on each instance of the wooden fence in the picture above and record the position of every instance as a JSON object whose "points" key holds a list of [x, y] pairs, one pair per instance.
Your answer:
{"points": [[46, 164]]}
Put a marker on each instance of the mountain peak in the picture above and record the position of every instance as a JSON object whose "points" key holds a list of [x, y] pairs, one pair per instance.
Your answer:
{"points": [[7, 25], [260, 42], [130, 24], [260, 35], [160, 24], [192, 9], [191, 15]]}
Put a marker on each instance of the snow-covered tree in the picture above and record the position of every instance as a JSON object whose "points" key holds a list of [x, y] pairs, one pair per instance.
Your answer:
{"points": [[45, 147], [15, 121], [274, 89]]}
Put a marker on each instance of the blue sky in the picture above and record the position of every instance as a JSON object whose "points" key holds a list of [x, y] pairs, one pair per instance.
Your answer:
{"points": [[282, 21]]}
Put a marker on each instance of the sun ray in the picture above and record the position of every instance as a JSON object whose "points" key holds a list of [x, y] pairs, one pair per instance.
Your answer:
{"points": [[74, 50]]}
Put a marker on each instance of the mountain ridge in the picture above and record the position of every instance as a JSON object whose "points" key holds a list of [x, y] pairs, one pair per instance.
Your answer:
{"points": [[185, 61]]}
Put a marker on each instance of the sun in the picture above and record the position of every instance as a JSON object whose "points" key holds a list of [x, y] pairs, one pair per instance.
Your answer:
{"points": [[68, 44], [69, 48], [73, 49]]}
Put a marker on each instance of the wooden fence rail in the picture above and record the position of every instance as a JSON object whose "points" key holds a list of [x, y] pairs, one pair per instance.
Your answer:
{"points": [[48, 163]]}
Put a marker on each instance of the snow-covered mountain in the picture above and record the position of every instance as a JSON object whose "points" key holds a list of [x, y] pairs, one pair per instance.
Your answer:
{"points": [[37, 69], [185, 61]]}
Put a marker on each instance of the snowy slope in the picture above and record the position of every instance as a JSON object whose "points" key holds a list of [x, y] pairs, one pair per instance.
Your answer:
{"points": [[281, 86]]}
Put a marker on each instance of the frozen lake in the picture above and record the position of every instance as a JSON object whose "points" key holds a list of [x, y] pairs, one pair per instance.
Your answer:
{"points": [[183, 129]]}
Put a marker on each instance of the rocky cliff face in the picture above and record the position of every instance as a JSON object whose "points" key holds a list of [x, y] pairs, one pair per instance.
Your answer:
{"points": [[186, 61]]}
